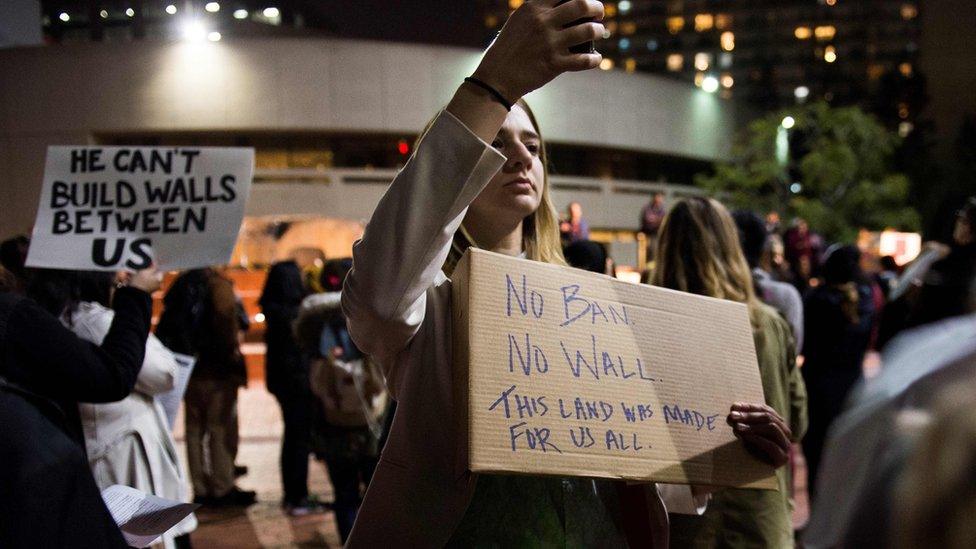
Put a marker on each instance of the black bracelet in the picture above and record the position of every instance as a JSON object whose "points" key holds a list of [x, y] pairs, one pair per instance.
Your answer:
{"points": [[494, 93]]}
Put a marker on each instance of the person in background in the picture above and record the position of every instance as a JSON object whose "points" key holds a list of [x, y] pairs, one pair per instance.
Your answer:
{"points": [[210, 402], [128, 442], [699, 253], [13, 256], [286, 372], [798, 244], [589, 256], [773, 260], [48, 497], [652, 215], [838, 318], [574, 228], [773, 222], [779, 295], [349, 387], [478, 179], [887, 275]]}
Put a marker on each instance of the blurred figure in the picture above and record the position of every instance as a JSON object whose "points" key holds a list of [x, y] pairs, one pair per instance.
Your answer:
{"points": [[651, 218], [48, 497], [128, 442], [286, 372], [210, 402], [838, 319], [699, 253], [587, 255], [773, 223], [350, 388], [13, 256], [781, 296], [887, 275], [798, 243], [773, 260], [574, 228]]}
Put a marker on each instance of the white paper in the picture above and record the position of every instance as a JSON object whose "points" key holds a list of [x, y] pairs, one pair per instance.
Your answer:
{"points": [[142, 517], [170, 400], [117, 208]]}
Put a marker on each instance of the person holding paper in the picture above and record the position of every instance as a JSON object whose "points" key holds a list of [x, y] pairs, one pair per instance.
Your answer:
{"points": [[48, 497], [128, 442], [481, 161], [699, 252]]}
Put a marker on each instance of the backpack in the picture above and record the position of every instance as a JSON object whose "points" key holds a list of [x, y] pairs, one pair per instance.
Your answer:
{"points": [[182, 324]]}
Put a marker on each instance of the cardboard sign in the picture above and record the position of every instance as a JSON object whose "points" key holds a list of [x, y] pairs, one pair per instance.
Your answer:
{"points": [[566, 372], [121, 208]]}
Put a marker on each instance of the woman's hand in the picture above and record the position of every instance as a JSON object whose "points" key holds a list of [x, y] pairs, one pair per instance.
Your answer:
{"points": [[533, 47], [763, 431], [148, 280]]}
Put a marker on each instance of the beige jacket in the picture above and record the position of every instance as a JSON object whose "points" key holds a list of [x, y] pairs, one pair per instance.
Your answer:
{"points": [[398, 305]]}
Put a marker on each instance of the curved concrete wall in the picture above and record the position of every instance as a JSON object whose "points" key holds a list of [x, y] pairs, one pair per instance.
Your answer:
{"points": [[66, 94]]}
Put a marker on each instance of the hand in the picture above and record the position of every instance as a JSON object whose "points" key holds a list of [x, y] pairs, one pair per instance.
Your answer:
{"points": [[533, 47], [763, 431], [148, 280]]}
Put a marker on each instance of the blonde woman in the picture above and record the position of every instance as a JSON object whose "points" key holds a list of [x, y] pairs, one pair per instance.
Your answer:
{"points": [[699, 253], [477, 178]]}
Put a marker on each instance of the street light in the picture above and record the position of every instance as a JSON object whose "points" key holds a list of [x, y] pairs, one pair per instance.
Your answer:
{"points": [[788, 122], [710, 84]]}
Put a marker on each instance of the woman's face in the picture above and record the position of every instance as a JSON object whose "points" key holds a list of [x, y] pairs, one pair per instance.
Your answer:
{"points": [[516, 190]]}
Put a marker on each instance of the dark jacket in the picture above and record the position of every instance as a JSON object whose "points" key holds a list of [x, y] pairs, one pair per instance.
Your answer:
{"points": [[218, 353], [48, 497], [285, 369]]}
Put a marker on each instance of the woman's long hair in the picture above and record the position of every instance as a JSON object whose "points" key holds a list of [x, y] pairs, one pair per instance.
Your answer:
{"points": [[699, 253], [540, 230]]}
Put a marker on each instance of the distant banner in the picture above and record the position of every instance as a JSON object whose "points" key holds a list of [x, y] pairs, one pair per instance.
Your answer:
{"points": [[121, 208]]}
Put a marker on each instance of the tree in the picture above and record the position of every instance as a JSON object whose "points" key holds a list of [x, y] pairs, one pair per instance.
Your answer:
{"points": [[838, 173]]}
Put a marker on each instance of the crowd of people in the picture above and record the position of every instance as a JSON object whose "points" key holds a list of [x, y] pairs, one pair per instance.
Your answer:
{"points": [[359, 359]]}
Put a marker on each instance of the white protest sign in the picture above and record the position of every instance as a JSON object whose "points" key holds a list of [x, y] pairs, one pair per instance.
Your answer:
{"points": [[121, 208]]}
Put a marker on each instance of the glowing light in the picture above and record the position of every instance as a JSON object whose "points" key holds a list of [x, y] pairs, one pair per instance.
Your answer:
{"points": [[831, 2], [214, 36], [606, 64], [64, 17], [676, 62], [728, 41], [830, 54], [630, 65], [194, 31], [704, 22], [905, 128], [259, 317], [171, 9], [801, 92], [826, 32], [905, 69], [908, 11], [795, 188], [240, 14], [788, 122], [103, 14], [702, 61], [699, 78], [403, 147], [624, 44], [624, 6], [802, 33], [271, 13], [723, 21], [628, 28], [675, 24], [212, 7], [727, 81], [710, 84], [130, 12], [652, 45], [514, 4]]}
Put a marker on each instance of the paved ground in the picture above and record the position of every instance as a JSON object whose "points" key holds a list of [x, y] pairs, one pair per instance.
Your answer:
{"points": [[264, 525]]}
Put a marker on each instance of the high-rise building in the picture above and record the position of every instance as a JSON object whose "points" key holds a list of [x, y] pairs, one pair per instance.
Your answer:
{"points": [[771, 52]]}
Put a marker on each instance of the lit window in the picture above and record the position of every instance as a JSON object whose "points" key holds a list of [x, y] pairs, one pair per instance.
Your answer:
{"points": [[802, 33], [831, 2], [271, 13], [652, 45], [704, 22], [875, 71], [676, 62], [171, 9], [723, 21], [64, 17], [514, 4], [624, 44], [624, 6], [908, 11], [905, 69], [710, 84], [728, 41], [801, 92], [905, 128], [675, 24], [611, 28], [725, 60], [130, 12], [630, 65], [825, 32], [628, 28], [606, 64], [212, 7], [699, 78], [727, 80], [702, 60], [830, 54], [609, 9]]}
